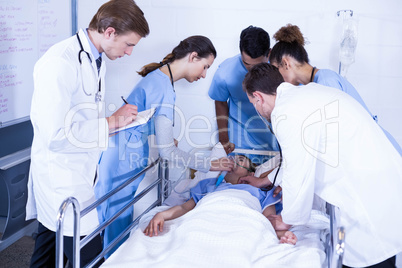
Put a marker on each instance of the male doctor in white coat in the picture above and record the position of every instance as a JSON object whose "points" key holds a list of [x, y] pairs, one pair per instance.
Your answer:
{"points": [[331, 147], [69, 129]]}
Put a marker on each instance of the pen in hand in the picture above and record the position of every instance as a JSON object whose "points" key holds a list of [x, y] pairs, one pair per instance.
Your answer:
{"points": [[124, 100]]}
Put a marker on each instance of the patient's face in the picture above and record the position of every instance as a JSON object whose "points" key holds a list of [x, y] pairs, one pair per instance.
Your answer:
{"points": [[242, 164]]}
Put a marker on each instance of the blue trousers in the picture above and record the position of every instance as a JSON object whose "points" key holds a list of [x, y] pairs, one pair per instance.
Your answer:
{"points": [[113, 205]]}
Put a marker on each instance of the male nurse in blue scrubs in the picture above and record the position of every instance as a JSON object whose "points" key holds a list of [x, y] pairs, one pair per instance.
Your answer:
{"points": [[238, 123]]}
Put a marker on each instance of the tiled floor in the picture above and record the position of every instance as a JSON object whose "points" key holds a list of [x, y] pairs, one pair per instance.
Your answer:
{"points": [[18, 255]]}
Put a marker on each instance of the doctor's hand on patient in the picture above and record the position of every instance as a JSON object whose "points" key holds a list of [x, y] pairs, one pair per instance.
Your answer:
{"points": [[260, 182], [122, 117]]}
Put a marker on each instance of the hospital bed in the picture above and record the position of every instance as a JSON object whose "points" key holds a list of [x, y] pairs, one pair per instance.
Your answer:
{"points": [[323, 237]]}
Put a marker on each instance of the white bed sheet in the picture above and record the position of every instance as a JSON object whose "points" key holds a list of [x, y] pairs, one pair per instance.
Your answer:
{"points": [[225, 229]]}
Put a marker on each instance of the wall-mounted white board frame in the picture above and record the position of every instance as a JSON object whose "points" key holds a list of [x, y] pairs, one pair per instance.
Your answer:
{"points": [[27, 29]]}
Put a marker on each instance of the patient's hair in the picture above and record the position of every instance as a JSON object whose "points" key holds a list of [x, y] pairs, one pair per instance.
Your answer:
{"points": [[254, 41], [262, 77], [290, 42], [252, 166], [197, 43]]}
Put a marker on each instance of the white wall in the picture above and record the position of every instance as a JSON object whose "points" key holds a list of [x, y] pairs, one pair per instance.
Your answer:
{"points": [[376, 73]]}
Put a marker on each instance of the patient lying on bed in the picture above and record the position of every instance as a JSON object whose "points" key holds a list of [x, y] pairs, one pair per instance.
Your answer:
{"points": [[242, 168]]}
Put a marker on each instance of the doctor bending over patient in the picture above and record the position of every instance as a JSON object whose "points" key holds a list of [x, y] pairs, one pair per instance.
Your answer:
{"points": [[291, 58], [69, 129], [333, 148], [242, 168]]}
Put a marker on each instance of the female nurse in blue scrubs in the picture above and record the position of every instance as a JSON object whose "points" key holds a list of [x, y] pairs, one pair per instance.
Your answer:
{"points": [[290, 56], [128, 150]]}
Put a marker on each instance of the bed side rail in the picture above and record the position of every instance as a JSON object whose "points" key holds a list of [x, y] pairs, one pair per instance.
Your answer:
{"points": [[257, 152], [238, 151], [160, 182], [335, 244]]}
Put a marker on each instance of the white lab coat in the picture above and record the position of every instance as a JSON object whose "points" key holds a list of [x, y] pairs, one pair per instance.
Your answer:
{"points": [[333, 148], [69, 134]]}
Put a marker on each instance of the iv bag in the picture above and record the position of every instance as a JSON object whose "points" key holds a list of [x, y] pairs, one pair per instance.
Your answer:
{"points": [[348, 42]]}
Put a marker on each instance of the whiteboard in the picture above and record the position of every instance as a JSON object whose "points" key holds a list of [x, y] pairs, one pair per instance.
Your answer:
{"points": [[27, 29]]}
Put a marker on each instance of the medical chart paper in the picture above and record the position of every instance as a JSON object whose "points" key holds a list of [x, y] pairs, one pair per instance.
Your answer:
{"points": [[142, 118]]}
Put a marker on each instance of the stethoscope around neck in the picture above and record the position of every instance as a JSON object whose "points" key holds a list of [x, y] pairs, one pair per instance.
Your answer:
{"points": [[87, 72], [279, 147]]}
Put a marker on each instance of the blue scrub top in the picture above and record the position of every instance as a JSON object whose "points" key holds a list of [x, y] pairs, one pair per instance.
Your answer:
{"points": [[128, 150], [208, 185], [154, 90], [332, 79], [246, 129]]}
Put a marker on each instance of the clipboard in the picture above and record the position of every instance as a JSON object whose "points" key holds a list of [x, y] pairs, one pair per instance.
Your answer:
{"points": [[142, 118]]}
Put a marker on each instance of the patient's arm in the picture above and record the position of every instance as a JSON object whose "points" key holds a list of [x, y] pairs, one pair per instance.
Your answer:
{"points": [[159, 219], [281, 228], [277, 223]]}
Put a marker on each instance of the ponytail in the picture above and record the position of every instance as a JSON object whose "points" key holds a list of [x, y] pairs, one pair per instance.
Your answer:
{"points": [[197, 43]]}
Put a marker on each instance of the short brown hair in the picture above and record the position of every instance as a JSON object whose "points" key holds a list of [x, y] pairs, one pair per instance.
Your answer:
{"points": [[263, 77], [123, 15]]}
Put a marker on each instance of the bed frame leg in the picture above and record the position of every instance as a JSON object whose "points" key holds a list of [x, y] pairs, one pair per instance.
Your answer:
{"points": [[163, 171], [340, 246], [60, 234]]}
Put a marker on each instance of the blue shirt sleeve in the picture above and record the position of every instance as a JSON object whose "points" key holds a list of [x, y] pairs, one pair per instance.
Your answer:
{"points": [[270, 199], [218, 90], [154, 90], [330, 78], [227, 81]]}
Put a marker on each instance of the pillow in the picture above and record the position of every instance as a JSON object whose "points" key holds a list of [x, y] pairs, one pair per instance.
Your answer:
{"points": [[267, 166], [181, 191]]}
